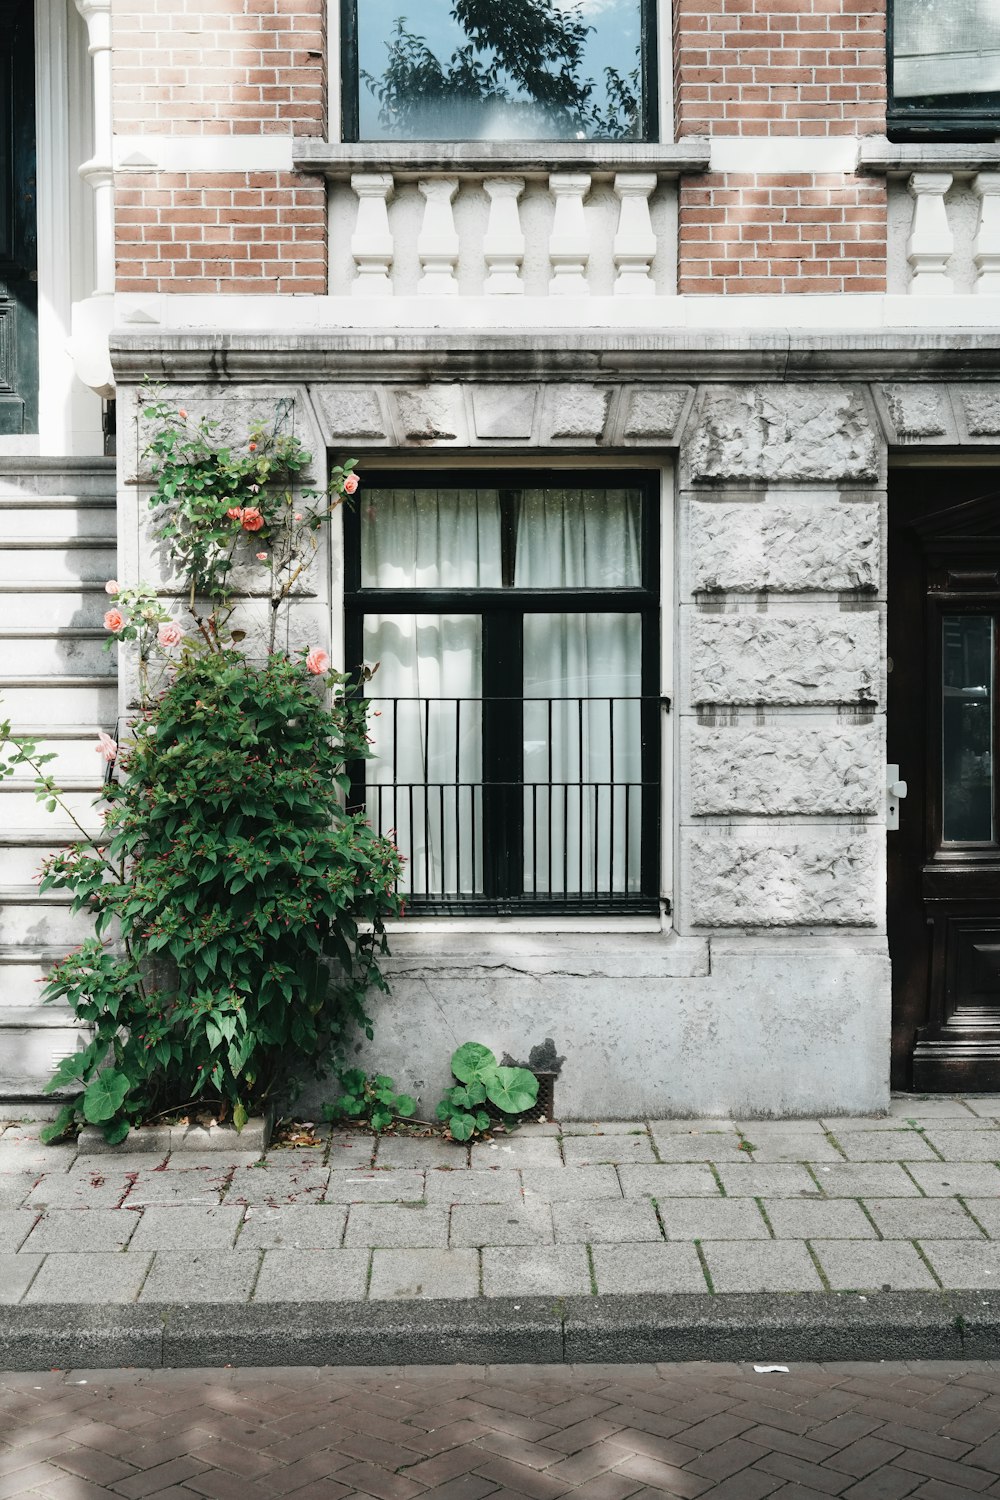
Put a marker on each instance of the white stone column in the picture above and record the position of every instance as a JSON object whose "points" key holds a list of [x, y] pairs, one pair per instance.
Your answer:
{"points": [[986, 250], [635, 243], [503, 246], [931, 240], [437, 244], [371, 242], [569, 244], [98, 171]]}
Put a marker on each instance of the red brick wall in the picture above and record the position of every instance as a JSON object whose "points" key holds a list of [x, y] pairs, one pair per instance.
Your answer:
{"points": [[221, 232]]}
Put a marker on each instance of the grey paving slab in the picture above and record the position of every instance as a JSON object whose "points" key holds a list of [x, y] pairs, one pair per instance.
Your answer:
{"points": [[517, 1151], [15, 1188], [31, 1156], [927, 1105], [689, 1127], [278, 1184], [218, 1162], [713, 1219], [606, 1222], [966, 1145], [89, 1278], [299, 1275], [16, 1272], [781, 1180], [200, 1186], [957, 1179], [15, 1226], [345, 1150], [540, 1128], [885, 1145], [376, 1187], [470, 1186], [394, 1225], [692, 1148], [294, 1158], [419, 1152], [606, 1127], [839, 1125], [474, 1224], [106, 1162], [987, 1106], [987, 1211], [316, 1226], [804, 1219], [83, 1230], [882, 1265], [866, 1179], [423, 1274], [686, 1180], [926, 1218], [761, 1266], [94, 1190], [964, 1264], [590, 1150], [761, 1130], [558, 1271], [564, 1184], [194, 1228], [805, 1148], [621, 1270], [201, 1276]]}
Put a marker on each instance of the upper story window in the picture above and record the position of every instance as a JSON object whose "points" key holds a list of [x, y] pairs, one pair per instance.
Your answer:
{"points": [[503, 70], [944, 67]]}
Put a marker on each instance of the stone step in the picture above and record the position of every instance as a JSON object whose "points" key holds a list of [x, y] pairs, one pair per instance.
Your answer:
{"points": [[76, 755], [24, 970], [26, 918], [62, 652], [59, 700], [41, 560], [32, 1044], [20, 810], [56, 604], [75, 479], [55, 519]]}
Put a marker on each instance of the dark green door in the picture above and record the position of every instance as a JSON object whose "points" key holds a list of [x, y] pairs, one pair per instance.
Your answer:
{"points": [[18, 249]]}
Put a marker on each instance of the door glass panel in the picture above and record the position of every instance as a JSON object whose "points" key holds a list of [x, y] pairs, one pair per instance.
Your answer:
{"points": [[967, 729]]}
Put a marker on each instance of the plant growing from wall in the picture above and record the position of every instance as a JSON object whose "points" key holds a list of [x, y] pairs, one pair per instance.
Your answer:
{"points": [[481, 1082], [238, 905], [369, 1098]]}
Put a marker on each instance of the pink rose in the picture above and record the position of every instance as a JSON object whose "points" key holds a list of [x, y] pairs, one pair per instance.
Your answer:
{"points": [[170, 634], [182, 412], [261, 556], [114, 620], [351, 482], [112, 587], [297, 516], [106, 746], [251, 519], [234, 513], [317, 662]]}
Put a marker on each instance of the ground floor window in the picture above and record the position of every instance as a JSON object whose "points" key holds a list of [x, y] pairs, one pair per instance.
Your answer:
{"points": [[514, 618]]}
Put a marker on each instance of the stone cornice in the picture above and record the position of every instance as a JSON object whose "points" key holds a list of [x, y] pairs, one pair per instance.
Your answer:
{"points": [[500, 158], [878, 156]]}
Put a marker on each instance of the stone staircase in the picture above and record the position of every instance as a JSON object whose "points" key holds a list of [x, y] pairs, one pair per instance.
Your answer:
{"points": [[58, 547]]}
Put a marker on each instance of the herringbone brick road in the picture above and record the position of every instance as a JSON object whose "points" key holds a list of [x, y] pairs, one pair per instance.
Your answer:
{"points": [[865, 1432]]}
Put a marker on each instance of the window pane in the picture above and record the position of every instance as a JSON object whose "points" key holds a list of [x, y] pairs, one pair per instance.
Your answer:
{"points": [[430, 539], [967, 729], [514, 70], [582, 753], [579, 538], [945, 47], [424, 781]]}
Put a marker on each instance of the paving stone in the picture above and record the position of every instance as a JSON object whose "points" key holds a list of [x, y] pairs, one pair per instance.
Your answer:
{"points": [[927, 1218], [866, 1179], [872, 1266], [844, 1124], [395, 1225], [16, 1272], [315, 1226], [15, 1188], [590, 1150], [783, 1180], [638, 1269], [312, 1275], [89, 1279], [419, 1152], [987, 1106], [802, 1219], [199, 1186], [713, 1219], [104, 1163], [967, 1145], [201, 1276], [470, 1186], [961, 1264], [425, 1274], [688, 1127], [929, 1106], [83, 1230], [957, 1179], [559, 1271], [693, 1180], [24, 1155], [765, 1266], [605, 1222], [278, 1185], [505, 1224], [607, 1127], [885, 1145], [219, 1163], [166, 1228], [375, 1187], [15, 1226], [566, 1184], [694, 1148], [987, 1212], [805, 1147], [346, 1150], [517, 1151], [95, 1190]]}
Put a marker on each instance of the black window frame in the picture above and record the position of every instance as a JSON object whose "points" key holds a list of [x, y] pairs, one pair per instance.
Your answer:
{"points": [[350, 82], [503, 610], [976, 120]]}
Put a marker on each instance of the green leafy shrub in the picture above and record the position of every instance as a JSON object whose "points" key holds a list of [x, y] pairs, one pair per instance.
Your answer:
{"points": [[371, 1098], [481, 1081]]}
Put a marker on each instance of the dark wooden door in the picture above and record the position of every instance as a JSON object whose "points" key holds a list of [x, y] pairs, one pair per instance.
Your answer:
{"points": [[944, 860], [18, 252]]}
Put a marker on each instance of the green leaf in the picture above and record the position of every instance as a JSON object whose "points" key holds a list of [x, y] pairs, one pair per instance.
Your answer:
{"points": [[405, 1105], [462, 1127], [512, 1089], [483, 1121], [240, 1116], [472, 1061], [105, 1096], [116, 1132], [58, 1127]]}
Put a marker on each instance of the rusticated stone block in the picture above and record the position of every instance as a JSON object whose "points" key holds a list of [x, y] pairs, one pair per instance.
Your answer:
{"points": [[769, 659], [504, 411], [786, 547], [654, 411], [433, 414], [918, 410], [814, 877], [775, 432], [234, 415], [349, 413], [982, 410], [772, 770], [577, 411]]}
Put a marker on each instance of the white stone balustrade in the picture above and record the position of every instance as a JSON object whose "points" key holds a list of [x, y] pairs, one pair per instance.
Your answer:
{"points": [[503, 247], [931, 240], [371, 242], [635, 242], [986, 250], [437, 245]]}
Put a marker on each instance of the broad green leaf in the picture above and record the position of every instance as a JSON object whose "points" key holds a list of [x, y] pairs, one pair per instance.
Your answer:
{"points": [[483, 1121], [240, 1116], [58, 1127], [461, 1127], [512, 1089], [114, 1134], [104, 1096], [405, 1105], [472, 1061]]}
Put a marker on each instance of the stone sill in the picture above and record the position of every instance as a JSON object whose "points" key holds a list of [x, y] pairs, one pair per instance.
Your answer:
{"points": [[626, 955], [878, 156], [502, 158]]}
